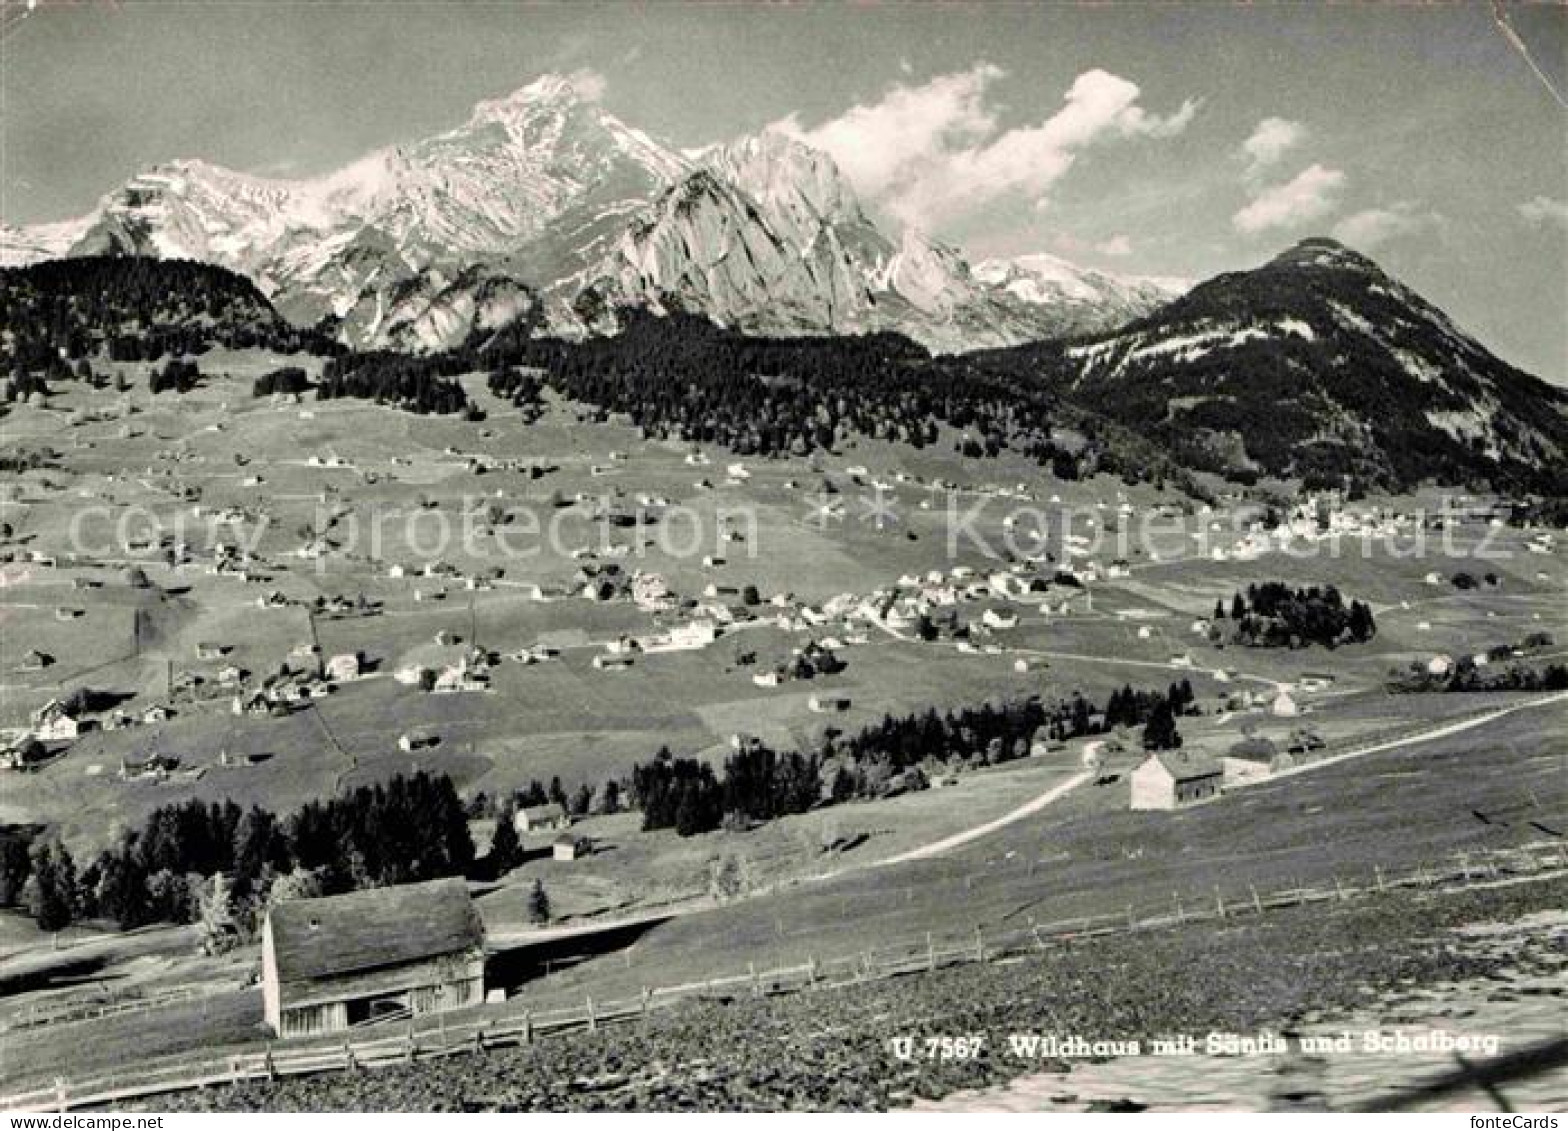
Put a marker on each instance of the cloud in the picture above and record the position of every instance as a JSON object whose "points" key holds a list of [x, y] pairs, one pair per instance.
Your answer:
{"points": [[1117, 245], [1268, 143], [1543, 211], [1374, 227], [589, 84], [1312, 194], [931, 152]]}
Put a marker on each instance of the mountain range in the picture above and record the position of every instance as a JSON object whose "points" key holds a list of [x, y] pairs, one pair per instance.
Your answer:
{"points": [[1316, 365], [544, 206], [546, 216]]}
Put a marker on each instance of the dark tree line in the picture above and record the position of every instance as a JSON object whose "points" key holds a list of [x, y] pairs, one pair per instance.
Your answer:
{"points": [[178, 375], [406, 830], [415, 384], [289, 379], [136, 309], [1274, 615]]}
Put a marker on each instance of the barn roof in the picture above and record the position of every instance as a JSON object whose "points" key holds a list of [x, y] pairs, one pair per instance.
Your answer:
{"points": [[365, 930], [1188, 767]]}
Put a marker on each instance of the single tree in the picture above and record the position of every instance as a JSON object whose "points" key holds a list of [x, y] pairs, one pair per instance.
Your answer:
{"points": [[538, 903]]}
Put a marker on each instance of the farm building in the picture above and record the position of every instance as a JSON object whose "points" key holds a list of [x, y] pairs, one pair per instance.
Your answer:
{"points": [[55, 722], [567, 847], [1251, 759], [333, 963], [532, 818], [343, 667], [1284, 706], [1170, 779], [34, 661]]}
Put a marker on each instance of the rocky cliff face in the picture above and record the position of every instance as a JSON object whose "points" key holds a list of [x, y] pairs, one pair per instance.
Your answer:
{"points": [[543, 205]]}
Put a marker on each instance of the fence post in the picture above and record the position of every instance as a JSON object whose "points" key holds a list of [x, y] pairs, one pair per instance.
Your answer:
{"points": [[479, 1038], [1219, 901], [979, 944], [1181, 916], [647, 1000], [811, 970], [410, 1045], [528, 1026], [1257, 904], [269, 1065], [930, 952], [349, 1063], [1338, 890], [60, 1098], [756, 986], [1377, 870], [1132, 921], [593, 1022]]}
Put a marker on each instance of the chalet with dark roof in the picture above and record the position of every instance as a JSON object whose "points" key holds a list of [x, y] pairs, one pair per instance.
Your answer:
{"points": [[342, 961]]}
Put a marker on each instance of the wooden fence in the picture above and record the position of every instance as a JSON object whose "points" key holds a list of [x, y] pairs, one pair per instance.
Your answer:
{"points": [[436, 1036]]}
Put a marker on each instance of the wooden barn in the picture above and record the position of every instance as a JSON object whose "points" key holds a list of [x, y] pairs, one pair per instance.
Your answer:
{"points": [[333, 963], [1170, 779]]}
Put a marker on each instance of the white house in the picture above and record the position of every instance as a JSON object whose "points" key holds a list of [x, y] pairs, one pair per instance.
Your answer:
{"points": [[53, 722], [1170, 779], [344, 666]]}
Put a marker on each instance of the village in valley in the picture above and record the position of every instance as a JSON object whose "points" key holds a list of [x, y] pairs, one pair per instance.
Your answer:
{"points": [[267, 654]]}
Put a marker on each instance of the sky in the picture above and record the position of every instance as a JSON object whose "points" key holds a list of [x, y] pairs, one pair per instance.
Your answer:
{"points": [[1170, 139]]}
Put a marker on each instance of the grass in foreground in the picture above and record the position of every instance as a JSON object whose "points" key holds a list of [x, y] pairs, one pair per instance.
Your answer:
{"points": [[832, 1050]]}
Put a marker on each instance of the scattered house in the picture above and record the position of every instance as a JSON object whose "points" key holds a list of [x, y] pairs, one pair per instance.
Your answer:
{"points": [[696, 634], [344, 666], [1315, 681], [23, 755], [330, 964], [1170, 779], [1251, 759], [34, 661], [415, 675], [1284, 706], [1441, 664], [827, 704], [461, 677], [154, 767], [767, 679], [567, 847], [231, 675], [54, 722], [157, 713], [607, 663], [999, 618], [254, 704], [210, 651], [1181, 660], [537, 818]]}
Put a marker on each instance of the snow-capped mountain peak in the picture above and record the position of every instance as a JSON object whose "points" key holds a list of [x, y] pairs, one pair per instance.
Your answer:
{"points": [[545, 198]]}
